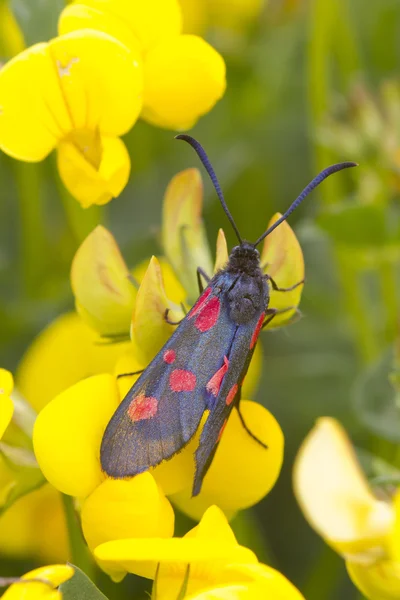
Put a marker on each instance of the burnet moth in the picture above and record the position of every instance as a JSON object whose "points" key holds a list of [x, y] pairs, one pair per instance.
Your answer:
{"points": [[203, 364]]}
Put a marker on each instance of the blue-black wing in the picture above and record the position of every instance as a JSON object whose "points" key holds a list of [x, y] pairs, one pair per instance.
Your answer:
{"points": [[163, 409]]}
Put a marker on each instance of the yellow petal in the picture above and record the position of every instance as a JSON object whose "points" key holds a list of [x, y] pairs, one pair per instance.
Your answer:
{"points": [[6, 404], [51, 89], [100, 79], [250, 582], [149, 329], [80, 16], [173, 287], [33, 115], [22, 533], [194, 16], [183, 233], [68, 434], [376, 581], [282, 258], [149, 22], [222, 255], [12, 39], [63, 354], [207, 549], [242, 471], [55, 575], [94, 183], [334, 494], [126, 509], [184, 78], [101, 283], [252, 379]]}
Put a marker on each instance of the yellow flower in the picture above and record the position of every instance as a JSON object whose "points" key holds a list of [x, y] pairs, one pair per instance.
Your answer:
{"points": [[68, 433], [6, 404], [337, 501], [183, 75], [78, 93], [207, 556], [40, 584]]}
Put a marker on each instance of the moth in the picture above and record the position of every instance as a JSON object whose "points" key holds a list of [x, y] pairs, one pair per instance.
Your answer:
{"points": [[203, 364]]}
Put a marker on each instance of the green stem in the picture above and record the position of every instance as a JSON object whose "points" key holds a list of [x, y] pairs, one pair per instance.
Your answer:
{"points": [[387, 276], [324, 575], [33, 235], [356, 307], [79, 552]]}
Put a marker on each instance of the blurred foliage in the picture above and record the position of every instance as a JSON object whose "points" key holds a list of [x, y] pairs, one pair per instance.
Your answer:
{"points": [[287, 75]]}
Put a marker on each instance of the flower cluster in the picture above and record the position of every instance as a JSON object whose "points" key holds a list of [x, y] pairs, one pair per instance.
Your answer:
{"points": [[341, 506], [69, 429], [113, 62]]}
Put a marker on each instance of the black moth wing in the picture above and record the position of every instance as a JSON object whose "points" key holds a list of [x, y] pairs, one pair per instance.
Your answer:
{"points": [[239, 357], [131, 446]]}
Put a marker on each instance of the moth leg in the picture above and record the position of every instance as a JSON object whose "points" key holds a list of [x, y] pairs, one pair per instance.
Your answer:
{"points": [[120, 375], [201, 274], [280, 289], [251, 434], [272, 312], [167, 320]]}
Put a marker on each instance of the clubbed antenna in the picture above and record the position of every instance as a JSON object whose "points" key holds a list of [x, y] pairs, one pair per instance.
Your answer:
{"points": [[207, 165], [311, 186]]}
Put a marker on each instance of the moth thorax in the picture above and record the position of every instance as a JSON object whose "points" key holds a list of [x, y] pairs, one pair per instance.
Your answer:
{"points": [[244, 259], [247, 299]]}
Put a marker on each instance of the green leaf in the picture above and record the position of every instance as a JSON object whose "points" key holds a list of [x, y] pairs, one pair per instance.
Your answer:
{"points": [[37, 18], [80, 587], [357, 224], [377, 401], [26, 480]]}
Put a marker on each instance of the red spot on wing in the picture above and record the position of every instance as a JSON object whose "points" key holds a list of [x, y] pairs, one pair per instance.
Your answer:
{"points": [[208, 315], [182, 381], [213, 386], [221, 431], [142, 407], [197, 307], [169, 356], [231, 394], [257, 330]]}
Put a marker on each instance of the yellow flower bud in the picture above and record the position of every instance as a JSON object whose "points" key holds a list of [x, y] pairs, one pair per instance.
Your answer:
{"points": [[101, 283], [183, 233], [282, 258]]}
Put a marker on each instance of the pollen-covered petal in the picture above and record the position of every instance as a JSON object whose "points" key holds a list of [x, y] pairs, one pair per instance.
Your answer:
{"points": [[242, 471], [6, 404], [100, 79], [120, 509], [208, 548], [183, 232], [334, 494], [94, 182], [150, 22], [61, 355], [149, 328], [68, 434], [282, 259], [33, 115], [52, 576], [80, 16], [184, 78], [101, 284]]}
